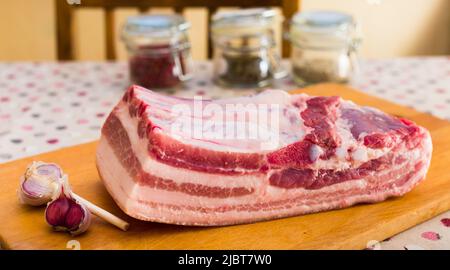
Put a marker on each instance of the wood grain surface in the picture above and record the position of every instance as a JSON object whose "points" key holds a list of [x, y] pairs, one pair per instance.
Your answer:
{"points": [[24, 227]]}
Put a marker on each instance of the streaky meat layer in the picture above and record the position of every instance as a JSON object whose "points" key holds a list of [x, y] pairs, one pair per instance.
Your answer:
{"points": [[330, 154]]}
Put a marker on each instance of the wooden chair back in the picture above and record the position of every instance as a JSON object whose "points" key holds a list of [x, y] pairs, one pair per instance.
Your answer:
{"points": [[65, 8]]}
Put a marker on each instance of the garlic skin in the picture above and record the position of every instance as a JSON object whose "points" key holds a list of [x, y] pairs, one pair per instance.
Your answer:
{"points": [[64, 213], [39, 183]]}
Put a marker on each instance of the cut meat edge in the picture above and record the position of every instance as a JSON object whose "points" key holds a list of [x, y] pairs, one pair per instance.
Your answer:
{"points": [[184, 215], [158, 212]]}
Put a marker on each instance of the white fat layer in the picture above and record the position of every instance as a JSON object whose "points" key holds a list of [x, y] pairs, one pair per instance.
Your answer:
{"points": [[347, 140], [315, 152], [277, 122], [360, 155]]}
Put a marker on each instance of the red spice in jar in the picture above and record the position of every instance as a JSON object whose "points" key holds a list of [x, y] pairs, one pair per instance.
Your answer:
{"points": [[153, 66]]}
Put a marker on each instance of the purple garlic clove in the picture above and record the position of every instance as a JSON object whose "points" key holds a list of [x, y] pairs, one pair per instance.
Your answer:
{"points": [[39, 183], [67, 214]]}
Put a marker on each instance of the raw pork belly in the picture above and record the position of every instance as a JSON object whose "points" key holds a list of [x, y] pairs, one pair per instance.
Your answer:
{"points": [[331, 154]]}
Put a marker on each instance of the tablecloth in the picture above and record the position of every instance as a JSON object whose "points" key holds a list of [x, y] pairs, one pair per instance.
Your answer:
{"points": [[46, 105]]}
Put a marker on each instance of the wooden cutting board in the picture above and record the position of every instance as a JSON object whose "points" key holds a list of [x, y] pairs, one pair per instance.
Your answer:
{"points": [[23, 227]]}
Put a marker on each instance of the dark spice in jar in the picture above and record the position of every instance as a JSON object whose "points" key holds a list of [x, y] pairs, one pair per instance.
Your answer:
{"points": [[153, 66], [245, 70]]}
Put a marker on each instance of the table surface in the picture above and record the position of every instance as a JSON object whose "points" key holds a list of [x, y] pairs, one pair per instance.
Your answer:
{"points": [[45, 106]]}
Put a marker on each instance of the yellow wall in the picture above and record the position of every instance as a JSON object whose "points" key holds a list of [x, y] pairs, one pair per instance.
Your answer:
{"points": [[390, 28], [27, 30], [396, 27]]}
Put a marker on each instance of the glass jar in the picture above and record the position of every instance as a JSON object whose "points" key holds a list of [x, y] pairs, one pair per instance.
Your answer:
{"points": [[245, 53], [159, 50], [324, 47]]}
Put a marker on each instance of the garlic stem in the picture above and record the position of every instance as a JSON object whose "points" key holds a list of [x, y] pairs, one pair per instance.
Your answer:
{"points": [[102, 213]]}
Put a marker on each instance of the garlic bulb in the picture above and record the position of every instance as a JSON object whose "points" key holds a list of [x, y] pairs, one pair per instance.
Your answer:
{"points": [[64, 213], [39, 183], [45, 182]]}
